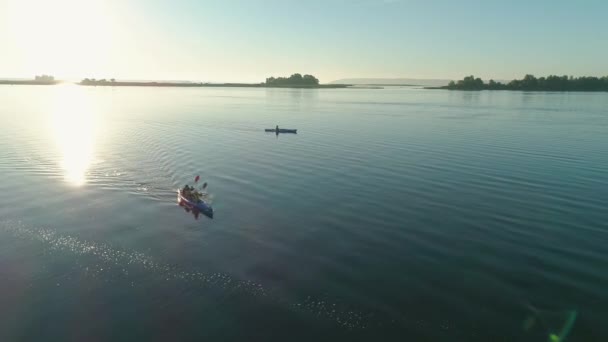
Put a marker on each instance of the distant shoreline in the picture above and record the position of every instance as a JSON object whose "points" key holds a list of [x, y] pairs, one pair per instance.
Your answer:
{"points": [[28, 82], [551, 83], [209, 85], [387, 85], [176, 84], [526, 90]]}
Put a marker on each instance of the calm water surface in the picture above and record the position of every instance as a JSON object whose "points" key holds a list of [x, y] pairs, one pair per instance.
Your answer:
{"points": [[394, 214]]}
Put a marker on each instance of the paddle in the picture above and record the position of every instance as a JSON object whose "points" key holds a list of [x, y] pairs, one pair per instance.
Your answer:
{"points": [[196, 179]]}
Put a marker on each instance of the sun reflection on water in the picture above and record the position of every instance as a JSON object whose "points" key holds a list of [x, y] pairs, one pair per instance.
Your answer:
{"points": [[75, 125]]}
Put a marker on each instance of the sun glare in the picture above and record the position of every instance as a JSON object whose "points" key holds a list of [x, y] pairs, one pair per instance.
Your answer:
{"points": [[61, 37], [75, 125]]}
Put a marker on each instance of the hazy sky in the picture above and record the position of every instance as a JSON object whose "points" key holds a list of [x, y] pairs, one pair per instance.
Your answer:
{"points": [[248, 40]]}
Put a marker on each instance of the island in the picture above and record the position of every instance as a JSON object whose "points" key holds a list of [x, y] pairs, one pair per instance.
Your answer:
{"points": [[294, 81], [38, 80], [531, 83]]}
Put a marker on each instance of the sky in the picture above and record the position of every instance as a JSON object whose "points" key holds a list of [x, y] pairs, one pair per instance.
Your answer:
{"points": [[249, 40]]}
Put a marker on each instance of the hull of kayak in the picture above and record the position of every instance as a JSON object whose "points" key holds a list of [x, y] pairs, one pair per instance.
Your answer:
{"points": [[201, 206], [281, 130]]}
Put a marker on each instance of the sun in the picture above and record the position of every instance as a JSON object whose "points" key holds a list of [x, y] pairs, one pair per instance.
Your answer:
{"points": [[67, 38]]}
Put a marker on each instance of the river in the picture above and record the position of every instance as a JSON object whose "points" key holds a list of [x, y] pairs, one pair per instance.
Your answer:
{"points": [[396, 214]]}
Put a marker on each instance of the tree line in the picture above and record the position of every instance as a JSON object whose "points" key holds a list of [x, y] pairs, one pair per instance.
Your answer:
{"points": [[92, 81], [293, 80], [529, 82], [44, 78]]}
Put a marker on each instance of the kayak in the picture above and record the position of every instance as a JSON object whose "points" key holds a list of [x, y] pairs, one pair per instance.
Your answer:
{"points": [[281, 130], [201, 206]]}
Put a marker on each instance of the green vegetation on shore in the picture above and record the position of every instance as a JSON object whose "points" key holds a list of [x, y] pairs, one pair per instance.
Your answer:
{"points": [[44, 78], [295, 80], [531, 83], [92, 81]]}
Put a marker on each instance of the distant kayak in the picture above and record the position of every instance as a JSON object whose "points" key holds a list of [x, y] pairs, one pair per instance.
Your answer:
{"points": [[201, 206], [281, 130]]}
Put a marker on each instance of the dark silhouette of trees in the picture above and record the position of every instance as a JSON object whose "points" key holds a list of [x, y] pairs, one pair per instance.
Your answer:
{"points": [[92, 81], [493, 85], [44, 78], [293, 80], [531, 83], [469, 82], [310, 79]]}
